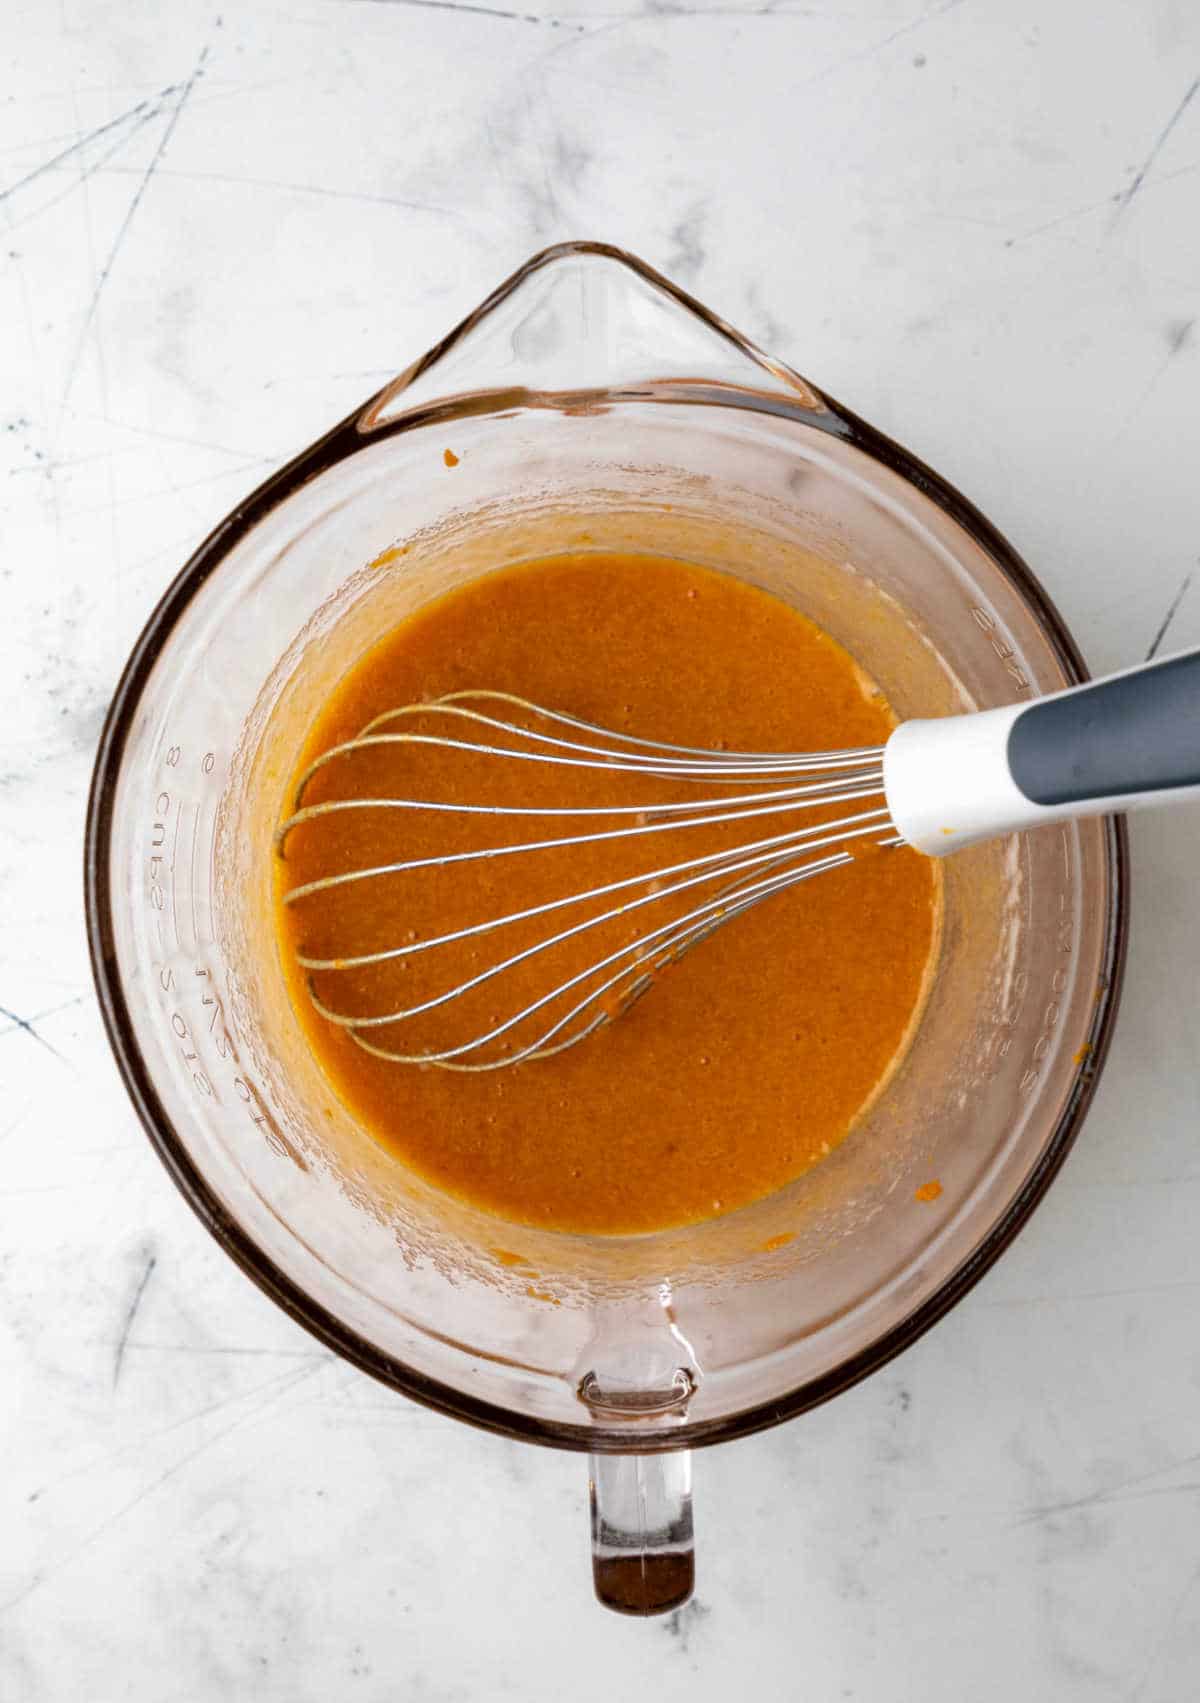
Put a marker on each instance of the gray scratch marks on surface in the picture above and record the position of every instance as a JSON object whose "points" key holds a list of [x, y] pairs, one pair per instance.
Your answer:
{"points": [[123, 229], [1059, 219], [666, 9], [177, 490], [1172, 611], [294, 188], [652, 12], [483, 12], [142, 430], [875, 47], [48, 1011], [1127, 1490], [25, 1024], [14, 1124], [90, 169], [135, 1302], [291, 1379], [139, 114], [1080, 212], [1134, 1292], [1140, 175], [277, 1384], [1176, 335], [192, 1350]]}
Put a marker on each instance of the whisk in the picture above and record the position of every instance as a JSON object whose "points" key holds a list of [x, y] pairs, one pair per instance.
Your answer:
{"points": [[770, 821]]}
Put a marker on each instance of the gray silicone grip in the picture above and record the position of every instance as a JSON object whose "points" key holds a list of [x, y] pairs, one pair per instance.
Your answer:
{"points": [[1137, 733]]}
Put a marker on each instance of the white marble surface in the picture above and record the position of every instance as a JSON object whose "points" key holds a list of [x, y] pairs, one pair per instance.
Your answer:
{"points": [[978, 222]]}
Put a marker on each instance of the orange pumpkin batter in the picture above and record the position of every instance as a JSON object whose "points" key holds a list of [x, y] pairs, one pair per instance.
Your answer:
{"points": [[747, 1063]]}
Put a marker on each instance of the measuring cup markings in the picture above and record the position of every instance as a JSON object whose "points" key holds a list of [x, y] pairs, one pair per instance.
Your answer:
{"points": [[1064, 944], [212, 1033], [192, 1005], [1005, 651]]}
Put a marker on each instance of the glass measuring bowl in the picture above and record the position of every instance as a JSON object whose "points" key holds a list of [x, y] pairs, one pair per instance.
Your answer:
{"points": [[592, 405]]}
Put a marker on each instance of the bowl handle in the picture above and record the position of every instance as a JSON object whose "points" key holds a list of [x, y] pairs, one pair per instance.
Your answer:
{"points": [[643, 1560]]}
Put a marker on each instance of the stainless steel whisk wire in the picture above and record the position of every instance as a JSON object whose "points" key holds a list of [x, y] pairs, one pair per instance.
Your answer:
{"points": [[1128, 741], [759, 868]]}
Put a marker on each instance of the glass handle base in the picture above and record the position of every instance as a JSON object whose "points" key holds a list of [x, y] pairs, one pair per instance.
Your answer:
{"points": [[643, 1559]]}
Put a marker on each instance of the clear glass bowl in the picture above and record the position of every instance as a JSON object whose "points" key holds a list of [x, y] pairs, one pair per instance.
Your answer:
{"points": [[589, 402]]}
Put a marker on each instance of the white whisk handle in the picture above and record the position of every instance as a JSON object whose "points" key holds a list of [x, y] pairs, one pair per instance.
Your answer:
{"points": [[1121, 743], [948, 782]]}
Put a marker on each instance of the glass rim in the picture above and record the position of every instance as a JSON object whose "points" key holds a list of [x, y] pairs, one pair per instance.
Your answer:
{"points": [[346, 437]]}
